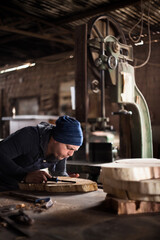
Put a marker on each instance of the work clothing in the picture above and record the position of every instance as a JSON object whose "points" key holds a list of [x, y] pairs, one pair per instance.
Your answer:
{"points": [[25, 151]]}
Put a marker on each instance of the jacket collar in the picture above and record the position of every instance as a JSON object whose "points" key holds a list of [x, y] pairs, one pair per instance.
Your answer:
{"points": [[45, 133]]}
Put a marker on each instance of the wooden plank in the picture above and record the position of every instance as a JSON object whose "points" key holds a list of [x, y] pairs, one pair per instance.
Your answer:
{"points": [[81, 73], [81, 185], [132, 169], [148, 187], [120, 206], [129, 195], [117, 193]]}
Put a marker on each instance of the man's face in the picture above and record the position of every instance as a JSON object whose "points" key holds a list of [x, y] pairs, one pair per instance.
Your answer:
{"points": [[61, 150]]}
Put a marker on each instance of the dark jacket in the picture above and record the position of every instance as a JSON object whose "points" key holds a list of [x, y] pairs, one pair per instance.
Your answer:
{"points": [[25, 151]]}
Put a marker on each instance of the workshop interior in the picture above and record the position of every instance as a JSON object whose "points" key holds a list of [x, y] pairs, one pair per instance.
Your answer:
{"points": [[97, 61]]}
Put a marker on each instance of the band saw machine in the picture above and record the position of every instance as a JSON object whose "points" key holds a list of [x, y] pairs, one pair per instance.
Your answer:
{"points": [[111, 108]]}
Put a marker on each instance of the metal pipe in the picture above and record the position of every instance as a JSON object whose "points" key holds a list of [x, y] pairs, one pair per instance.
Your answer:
{"points": [[103, 110]]}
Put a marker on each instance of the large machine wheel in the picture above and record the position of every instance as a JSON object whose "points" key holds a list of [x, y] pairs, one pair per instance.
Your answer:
{"points": [[101, 27], [98, 29]]}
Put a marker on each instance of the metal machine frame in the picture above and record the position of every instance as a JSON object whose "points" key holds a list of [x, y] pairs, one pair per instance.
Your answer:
{"points": [[108, 56]]}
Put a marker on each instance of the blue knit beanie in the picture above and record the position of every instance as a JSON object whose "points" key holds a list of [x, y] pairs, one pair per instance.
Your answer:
{"points": [[68, 130]]}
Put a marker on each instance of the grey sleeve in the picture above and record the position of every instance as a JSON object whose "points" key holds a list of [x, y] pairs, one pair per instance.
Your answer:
{"points": [[59, 168], [15, 146]]}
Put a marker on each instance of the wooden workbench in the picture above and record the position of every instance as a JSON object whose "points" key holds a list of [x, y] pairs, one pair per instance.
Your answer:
{"points": [[83, 216]]}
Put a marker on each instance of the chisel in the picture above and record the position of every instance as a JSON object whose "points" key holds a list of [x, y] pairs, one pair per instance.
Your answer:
{"points": [[28, 198], [47, 202], [56, 179], [13, 226]]}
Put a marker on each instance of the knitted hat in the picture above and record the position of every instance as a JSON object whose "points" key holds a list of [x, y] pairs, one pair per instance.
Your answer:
{"points": [[68, 130]]}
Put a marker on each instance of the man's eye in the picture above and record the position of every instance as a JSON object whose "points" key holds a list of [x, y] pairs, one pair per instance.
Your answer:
{"points": [[70, 149]]}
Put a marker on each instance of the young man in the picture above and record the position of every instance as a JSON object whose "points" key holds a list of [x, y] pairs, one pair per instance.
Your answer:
{"points": [[30, 149]]}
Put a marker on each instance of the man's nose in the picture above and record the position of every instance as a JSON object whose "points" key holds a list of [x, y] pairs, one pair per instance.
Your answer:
{"points": [[70, 153]]}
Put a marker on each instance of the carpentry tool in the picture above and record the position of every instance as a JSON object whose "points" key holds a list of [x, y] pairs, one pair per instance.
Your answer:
{"points": [[8, 208], [22, 218], [56, 179], [12, 226], [46, 201], [10, 217]]}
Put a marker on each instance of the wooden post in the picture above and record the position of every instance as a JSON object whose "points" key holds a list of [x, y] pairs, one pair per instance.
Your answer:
{"points": [[81, 73]]}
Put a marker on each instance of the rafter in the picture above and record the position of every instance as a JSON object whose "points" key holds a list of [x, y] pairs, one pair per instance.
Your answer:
{"points": [[33, 18], [103, 8], [48, 37]]}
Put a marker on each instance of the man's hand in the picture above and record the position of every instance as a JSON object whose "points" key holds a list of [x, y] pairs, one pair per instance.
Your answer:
{"points": [[37, 177], [74, 175]]}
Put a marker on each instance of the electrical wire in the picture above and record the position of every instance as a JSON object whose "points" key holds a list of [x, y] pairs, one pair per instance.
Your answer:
{"points": [[149, 42], [141, 30]]}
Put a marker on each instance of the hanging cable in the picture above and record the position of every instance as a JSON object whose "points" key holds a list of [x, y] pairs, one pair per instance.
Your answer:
{"points": [[141, 29], [149, 41]]}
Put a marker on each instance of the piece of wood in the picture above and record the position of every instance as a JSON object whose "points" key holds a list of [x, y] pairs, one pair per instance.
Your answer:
{"points": [[120, 206], [148, 186], [81, 185], [129, 195], [81, 81], [117, 193], [132, 169]]}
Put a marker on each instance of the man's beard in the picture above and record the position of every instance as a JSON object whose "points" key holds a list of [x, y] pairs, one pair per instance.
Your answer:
{"points": [[50, 158]]}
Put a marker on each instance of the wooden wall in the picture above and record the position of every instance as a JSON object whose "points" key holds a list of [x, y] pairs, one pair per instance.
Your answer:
{"points": [[148, 81], [42, 81]]}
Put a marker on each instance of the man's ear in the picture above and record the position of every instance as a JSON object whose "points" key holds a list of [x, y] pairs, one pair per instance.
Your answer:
{"points": [[54, 140]]}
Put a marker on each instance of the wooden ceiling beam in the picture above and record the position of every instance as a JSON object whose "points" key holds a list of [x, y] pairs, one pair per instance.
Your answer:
{"points": [[48, 37], [11, 38], [104, 8], [33, 18]]}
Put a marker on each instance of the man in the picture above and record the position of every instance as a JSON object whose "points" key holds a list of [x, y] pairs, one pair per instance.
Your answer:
{"points": [[30, 149]]}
